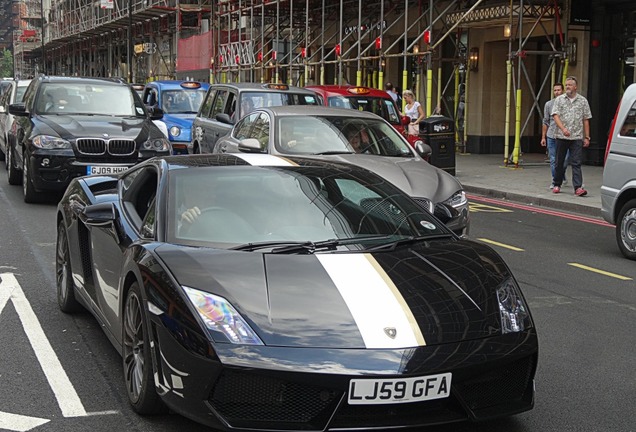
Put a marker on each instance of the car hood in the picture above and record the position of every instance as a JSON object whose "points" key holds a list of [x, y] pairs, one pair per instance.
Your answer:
{"points": [[78, 126], [414, 176], [429, 294]]}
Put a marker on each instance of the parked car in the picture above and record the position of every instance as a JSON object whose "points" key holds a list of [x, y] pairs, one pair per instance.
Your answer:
{"points": [[180, 102], [326, 133], [224, 104], [618, 192], [68, 127], [366, 99], [305, 295], [10, 92]]}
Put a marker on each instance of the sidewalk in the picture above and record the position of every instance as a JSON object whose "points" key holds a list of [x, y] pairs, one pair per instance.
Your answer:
{"points": [[486, 174]]}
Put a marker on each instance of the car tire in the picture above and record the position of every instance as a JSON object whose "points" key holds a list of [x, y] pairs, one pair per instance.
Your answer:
{"points": [[13, 175], [137, 361], [2, 157], [626, 230], [64, 276], [30, 194]]}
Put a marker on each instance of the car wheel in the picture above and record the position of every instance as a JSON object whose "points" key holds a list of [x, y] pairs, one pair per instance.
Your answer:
{"points": [[138, 371], [1, 152], [13, 175], [626, 230], [30, 195], [64, 277]]}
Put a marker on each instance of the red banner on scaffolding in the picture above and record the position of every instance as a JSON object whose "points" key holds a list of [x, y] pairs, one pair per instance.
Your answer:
{"points": [[194, 53]]}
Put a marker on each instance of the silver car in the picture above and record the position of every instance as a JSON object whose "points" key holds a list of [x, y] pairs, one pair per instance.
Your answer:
{"points": [[360, 138], [12, 94]]}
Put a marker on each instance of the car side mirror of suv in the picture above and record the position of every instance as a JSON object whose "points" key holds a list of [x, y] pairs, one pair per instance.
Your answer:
{"points": [[156, 113], [18, 109], [3, 110], [250, 145]]}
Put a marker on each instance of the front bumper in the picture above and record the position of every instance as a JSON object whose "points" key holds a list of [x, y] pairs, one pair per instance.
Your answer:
{"points": [[53, 170], [278, 388]]}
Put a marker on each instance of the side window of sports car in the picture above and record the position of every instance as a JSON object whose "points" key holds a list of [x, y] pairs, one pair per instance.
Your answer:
{"points": [[148, 226], [139, 189]]}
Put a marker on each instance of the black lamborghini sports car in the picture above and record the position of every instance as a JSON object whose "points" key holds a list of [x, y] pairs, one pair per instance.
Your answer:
{"points": [[250, 291]]}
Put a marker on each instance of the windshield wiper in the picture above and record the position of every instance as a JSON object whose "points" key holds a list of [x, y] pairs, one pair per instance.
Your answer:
{"points": [[267, 244], [331, 244], [334, 152], [408, 240]]}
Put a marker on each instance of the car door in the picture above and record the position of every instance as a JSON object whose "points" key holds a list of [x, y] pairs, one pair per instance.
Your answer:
{"points": [[211, 128], [242, 130], [138, 189]]}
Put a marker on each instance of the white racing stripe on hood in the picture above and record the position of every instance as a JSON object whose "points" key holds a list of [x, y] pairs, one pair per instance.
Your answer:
{"points": [[259, 159], [374, 301]]}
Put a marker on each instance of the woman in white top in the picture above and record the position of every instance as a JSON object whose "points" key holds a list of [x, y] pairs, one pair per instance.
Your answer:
{"points": [[414, 110]]}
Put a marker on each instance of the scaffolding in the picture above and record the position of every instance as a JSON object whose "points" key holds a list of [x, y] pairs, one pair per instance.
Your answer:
{"points": [[27, 37], [422, 45]]}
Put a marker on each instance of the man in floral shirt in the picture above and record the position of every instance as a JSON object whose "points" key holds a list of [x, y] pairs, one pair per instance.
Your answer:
{"points": [[571, 113]]}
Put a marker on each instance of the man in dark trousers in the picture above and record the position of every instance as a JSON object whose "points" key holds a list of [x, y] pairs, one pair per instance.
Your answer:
{"points": [[571, 113]]}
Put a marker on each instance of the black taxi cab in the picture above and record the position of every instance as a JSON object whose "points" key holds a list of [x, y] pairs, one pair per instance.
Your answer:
{"points": [[225, 104]]}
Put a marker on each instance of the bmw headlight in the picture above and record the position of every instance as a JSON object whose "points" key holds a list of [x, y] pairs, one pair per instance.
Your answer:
{"points": [[512, 307], [457, 200], [50, 142], [175, 131], [220, 317], [157, 144]]}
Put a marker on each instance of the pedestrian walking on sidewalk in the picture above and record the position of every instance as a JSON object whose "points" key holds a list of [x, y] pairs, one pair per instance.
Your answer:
{"points": [[547, 134], [572, 115]]}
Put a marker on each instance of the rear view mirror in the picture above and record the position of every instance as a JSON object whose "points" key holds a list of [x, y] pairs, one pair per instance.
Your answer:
{"points": [[424, 150], [156, 113], [99, 215], [18, 109], [3, 110]]}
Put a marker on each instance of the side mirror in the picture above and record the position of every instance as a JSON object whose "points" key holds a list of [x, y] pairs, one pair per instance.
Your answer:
{"points": [[406, 120], [18, 109], [99, 215], [424, 150], [224, 118], [3, 110], [156, 113], [250, 145]]}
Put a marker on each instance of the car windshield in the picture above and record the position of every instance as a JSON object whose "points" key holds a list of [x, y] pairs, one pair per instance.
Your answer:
{"points": [[238, 205], [253, 100], [87, 98], [182, 101], [385, 108], [315, 134]]}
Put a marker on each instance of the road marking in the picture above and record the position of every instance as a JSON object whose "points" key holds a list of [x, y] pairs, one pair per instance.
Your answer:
{"points": [[603, 272], [67, 398], [19, 423], [484, 208], [492, 242], [536, 209]]}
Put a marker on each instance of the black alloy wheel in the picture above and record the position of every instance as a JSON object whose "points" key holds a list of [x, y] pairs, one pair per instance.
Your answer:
{"points": [[138, 371], [64, 277], [29, 192], [13, 175]]}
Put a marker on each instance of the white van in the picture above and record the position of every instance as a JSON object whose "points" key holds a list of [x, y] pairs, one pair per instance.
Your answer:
{"points": [[618, 193]]}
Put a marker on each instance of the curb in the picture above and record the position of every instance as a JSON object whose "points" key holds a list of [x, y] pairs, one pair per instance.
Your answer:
{"points": [[530, 200]]}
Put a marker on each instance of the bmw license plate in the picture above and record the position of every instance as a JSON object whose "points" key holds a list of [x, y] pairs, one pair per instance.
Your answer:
{"points": [[105, 169], [399, 390]]}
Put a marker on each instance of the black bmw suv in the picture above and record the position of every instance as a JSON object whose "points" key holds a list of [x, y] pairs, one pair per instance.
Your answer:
{"points": [[68, 127]]}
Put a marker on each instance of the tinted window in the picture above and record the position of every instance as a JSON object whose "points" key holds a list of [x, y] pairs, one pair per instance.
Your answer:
{"points": [[629, 126], [87, 98], [204, 110], [219, 103], [182, 101], [255, 100], [385, 108]]}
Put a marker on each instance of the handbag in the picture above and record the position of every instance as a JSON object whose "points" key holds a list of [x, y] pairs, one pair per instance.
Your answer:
{"points": [[414, 129]]}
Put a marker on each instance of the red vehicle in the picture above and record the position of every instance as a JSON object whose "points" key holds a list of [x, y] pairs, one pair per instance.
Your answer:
{"points": [[366, 99]]}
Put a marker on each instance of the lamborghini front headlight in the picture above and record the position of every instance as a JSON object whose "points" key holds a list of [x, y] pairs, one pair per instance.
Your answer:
{"points": [[512, 308]]}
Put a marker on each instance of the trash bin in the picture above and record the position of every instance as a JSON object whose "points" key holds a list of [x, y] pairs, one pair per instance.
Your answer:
{"points": [[439, 132]]}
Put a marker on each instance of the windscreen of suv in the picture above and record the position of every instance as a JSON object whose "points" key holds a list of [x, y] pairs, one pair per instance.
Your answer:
{"points": [[253, 100], [385, 108], [86, 98]]}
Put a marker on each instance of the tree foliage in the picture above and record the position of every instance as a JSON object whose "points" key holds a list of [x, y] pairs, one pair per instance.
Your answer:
{"points": [[6, 64]]}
